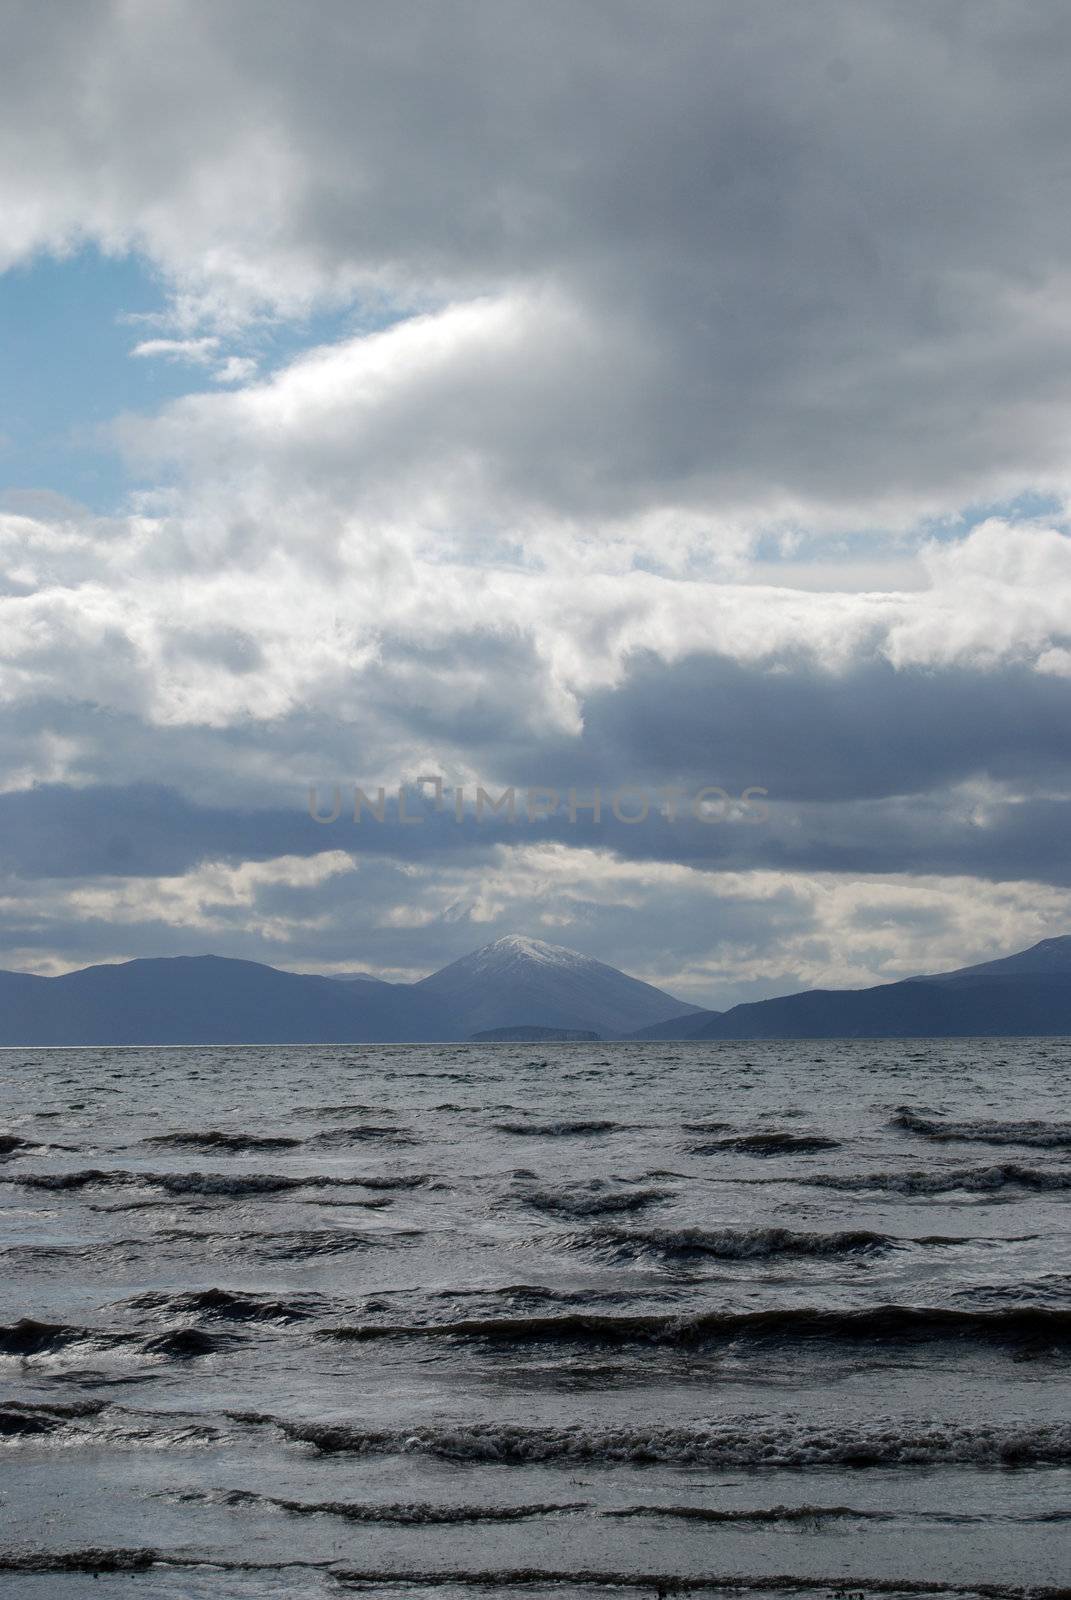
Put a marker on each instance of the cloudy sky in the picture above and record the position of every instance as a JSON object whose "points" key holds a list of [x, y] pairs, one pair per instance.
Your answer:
{"points": [[566, 395]]}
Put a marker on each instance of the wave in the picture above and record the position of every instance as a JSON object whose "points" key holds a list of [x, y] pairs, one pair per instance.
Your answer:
{"points": [[300, 1243], [295, 1244], [816, 1514], [890, 1442], [973, 1180], [591, 1200], [425, 1513], [738, 1244], [99, 1423], [22, 1418], [100, 1559], [96, 1559], [215, 1139], [352, 1108], [185, 1343], [1042, 1135], [1053, 1288], [397, 1514], [397, 1180], [772, 1143], [554, 1579], [363, 1132], [29, 1337], [1043, 1326], [761, 1515], [170, 1182], [559, 1130], [12, 1144], [207, 1183], [229, 1305]]}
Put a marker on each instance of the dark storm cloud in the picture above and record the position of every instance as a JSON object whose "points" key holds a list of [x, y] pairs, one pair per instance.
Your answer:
{"points": [[807, 734], [55, 832], [867, 769]]}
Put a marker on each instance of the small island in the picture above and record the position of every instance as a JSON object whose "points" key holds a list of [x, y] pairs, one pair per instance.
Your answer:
{"points": [[528, 1033]]}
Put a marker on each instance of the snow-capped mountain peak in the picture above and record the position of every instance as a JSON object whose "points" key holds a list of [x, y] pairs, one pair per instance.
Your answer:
{"points": [[514, 947], [518, 981]]}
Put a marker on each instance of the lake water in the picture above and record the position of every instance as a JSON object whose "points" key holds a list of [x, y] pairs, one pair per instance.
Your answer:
{"points": [[535, 1320]]}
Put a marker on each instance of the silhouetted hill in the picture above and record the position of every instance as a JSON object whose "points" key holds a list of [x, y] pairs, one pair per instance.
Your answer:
{"points": [[525, 1033], [1051, 956], [918, 1008], [209, 1000], [214, 1000], [682, 1026], [1028, 993]]}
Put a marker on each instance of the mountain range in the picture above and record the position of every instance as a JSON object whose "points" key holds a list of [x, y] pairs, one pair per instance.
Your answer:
{"points": [[214, 1000], [1028, 993], [517, 986]]}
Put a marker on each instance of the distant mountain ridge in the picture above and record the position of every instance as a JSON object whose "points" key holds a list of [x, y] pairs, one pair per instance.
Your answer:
{"points": [[207, 1000], [526, 1033], [1028, 993], [512, 985], [216, 1000], [1048, 956]]}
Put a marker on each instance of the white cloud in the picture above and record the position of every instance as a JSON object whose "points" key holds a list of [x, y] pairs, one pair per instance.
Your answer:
{"points": [[1003, 593], [200, 352], [125, 612], [647, 319], [804, 930], [712, 937], [207, 898], [847, 309], [235, 369]]}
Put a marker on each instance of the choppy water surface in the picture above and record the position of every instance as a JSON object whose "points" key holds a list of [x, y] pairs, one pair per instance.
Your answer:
{"points": [[536, 1320]]}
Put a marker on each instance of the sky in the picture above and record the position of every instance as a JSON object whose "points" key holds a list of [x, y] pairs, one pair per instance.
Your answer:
{"points": [[660, 399]]}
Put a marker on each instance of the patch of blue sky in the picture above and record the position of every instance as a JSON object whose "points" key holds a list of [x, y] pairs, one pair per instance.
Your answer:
{"points": [[1030, 506], [801, 544], [68, 328]]}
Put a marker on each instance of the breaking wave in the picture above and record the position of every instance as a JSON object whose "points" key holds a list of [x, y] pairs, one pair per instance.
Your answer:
{"points": [[96, 1559], [1042, 1135], [667, 1583], [973, 1180], [30, 1337], [21, 1418], [229, 1305], [215, 1139], [893, 1442], [1046, 1326], [11, 1144], [557, 1579], [736, 1244]]}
